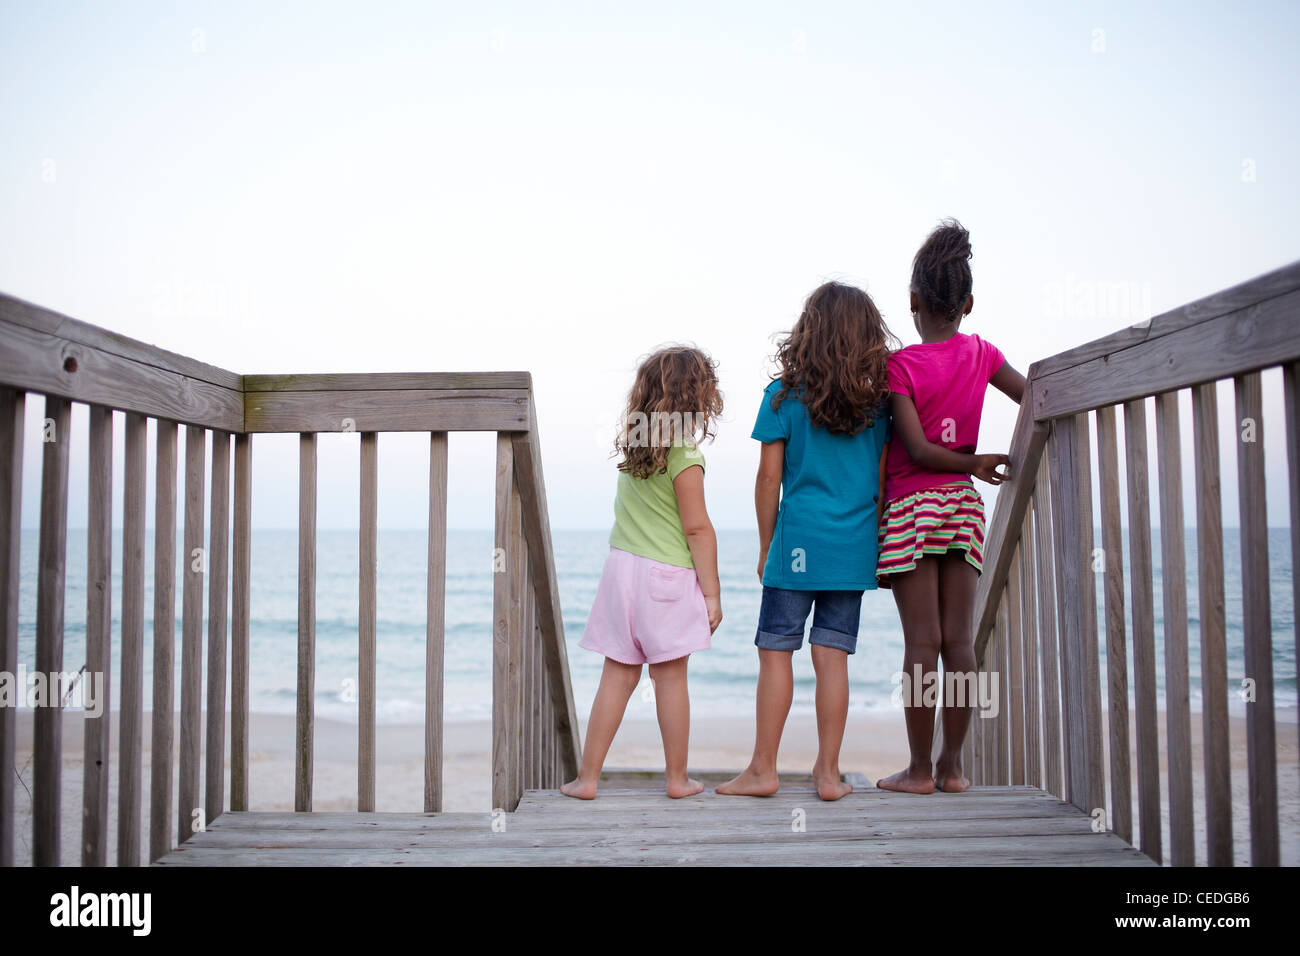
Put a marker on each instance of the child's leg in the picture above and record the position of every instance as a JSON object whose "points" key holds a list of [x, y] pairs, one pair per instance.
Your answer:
{"points": [[832, 667], [673, 705], [772, 706], [617, 682], [957, 581], [916, 593]]}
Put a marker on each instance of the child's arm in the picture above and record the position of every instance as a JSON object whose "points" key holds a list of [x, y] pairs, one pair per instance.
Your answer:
{"points": [[700, 538], [1009, 382], [767, 496], [907, 427]]}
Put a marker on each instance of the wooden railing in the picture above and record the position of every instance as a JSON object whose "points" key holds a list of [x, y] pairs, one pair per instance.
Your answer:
{"points": [[534, 725], [1036, 607]]}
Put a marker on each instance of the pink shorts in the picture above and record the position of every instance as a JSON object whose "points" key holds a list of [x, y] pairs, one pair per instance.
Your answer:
{"points": [[646, 612]]}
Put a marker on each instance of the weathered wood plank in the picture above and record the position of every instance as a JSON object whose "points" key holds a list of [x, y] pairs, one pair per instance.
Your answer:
{"points": [[380, 410], [161, 735], [47, 741], [1015, 673], [1141, 590], [1255, 336], [403, 381], [187, 800], [367, 621], [218, 623], [13, 405], [1047, 605], [1291, 401], [503, 796], [1121, 777], [1173, 576], [48, 363], [1217, 762], [1257, 623], [537, 533], [130, 719], [305, 722], [1028, 614], [1072, 520], [240, 611], [435, 622], [99, 638]]}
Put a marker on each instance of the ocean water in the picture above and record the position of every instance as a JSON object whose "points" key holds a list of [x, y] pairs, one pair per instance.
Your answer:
{"points": [[722, 678]]}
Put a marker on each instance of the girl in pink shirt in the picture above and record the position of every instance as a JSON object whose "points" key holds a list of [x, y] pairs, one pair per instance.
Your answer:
{"points": [[932, 525]]}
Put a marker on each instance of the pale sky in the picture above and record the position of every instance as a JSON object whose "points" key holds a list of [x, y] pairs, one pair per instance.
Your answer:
{"points": [[312, 187]]}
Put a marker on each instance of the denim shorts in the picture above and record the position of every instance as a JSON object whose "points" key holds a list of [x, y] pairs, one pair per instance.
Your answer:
{"points": [[782, 616]]}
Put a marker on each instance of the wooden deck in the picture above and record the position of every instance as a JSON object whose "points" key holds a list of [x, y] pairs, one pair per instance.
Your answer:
{"points": [[632, 824]]}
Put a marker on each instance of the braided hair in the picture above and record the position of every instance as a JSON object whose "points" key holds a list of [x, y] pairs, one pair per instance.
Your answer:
{"points": [[941, 275]]}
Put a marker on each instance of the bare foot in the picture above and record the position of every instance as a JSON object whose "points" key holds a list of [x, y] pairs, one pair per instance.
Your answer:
{"points": [[830, 786], [689, 788], [906, 781], [579, 789], [750, 784], [950, 779]]}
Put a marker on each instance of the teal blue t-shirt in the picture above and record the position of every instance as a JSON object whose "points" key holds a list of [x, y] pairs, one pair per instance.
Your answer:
{"points": [[825, 537]]}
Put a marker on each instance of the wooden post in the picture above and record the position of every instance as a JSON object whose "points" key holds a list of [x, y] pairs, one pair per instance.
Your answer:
{"points": [[161, 736], [1291, 401], [306, 709], [1015, 672], [239, 616], [367, 621], [48, 718], [435, 623], [130, 720], [503, 632], [1173, 575], [13, 404], [1121, 787], [1257, 622], [1047, 614], [99, 639], [1028, 597], [218, 602], [191, 635], [1144, 628], [1072, 507], [1214, 650]]}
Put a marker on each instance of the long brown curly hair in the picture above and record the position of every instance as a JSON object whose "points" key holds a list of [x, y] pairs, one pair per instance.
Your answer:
{"points": [[674, 400], [834, 359]]}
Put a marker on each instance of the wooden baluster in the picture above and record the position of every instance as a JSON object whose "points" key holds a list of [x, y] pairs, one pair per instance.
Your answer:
{"points": [[1001, 760], [1291, 401], [1173, 575], [218, 601], [1028, 597], [502, 691], [1015, 672], [99, 639], [1072, 508], [1214, 650], [1121, 785], [48, 718], [1047, 617], [306, 705], [515, 558], [162, 731], [435, 623], [1141, 589], [239, 616], [13, 404], [187, 801], [367, 621], [1257, 622], [130, 719]]}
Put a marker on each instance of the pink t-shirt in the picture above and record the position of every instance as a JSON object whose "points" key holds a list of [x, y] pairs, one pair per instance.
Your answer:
{"points": [[946, 381]]}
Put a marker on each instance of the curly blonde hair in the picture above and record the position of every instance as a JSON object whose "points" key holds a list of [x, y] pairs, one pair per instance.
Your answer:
{"points": [[674, 400]]}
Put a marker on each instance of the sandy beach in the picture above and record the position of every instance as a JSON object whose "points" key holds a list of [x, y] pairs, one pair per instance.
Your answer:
{"points": [[874, 745]]}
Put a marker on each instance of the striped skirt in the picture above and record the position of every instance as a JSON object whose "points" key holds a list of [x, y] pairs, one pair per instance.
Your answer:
{"points": [[932, 521]]}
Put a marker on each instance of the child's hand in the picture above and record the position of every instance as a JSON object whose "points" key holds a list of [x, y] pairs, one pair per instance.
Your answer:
{"points": [[713, 602], [986, 468], [762, 563]]}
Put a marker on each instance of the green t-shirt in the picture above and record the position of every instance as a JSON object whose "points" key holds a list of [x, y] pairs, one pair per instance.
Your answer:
{"points": [[646, 519]]}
